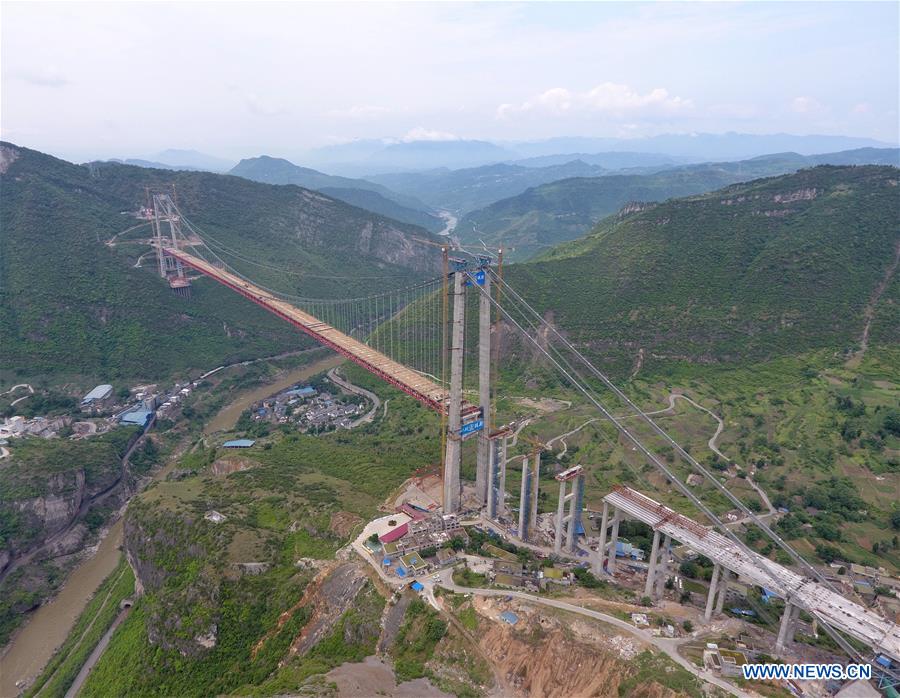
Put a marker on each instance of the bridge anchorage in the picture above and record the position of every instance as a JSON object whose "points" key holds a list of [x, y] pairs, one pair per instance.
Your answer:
{"points": [[427, 360]]}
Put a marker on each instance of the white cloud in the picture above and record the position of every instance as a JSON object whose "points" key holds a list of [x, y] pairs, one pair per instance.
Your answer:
{"points": [[807, 105], [423, 134], [862, 108], [609, 98]]}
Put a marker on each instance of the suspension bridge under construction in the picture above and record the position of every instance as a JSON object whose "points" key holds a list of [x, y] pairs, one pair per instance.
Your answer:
{"points": [[439, 307]]}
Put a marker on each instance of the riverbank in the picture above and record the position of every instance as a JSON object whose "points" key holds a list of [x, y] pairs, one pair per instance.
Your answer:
{"points": [[228, 416], [34, 643]]}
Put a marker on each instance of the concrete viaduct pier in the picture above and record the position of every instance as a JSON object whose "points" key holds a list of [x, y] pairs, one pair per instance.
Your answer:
{"points": [[798, 592]]}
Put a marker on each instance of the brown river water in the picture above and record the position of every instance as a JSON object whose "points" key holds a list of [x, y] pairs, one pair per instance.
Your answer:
{"points": [[47, 628]]}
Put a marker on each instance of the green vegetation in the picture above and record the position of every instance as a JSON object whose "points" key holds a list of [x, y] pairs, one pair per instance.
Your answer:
{"points": [[278, 511], [649, 668], [747, 273], [567, 209], [356, 192], [422, 629], [72, 471], [73, 306], [91, 625]]}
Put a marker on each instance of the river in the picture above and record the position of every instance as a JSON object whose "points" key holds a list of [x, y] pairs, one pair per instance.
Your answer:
{"points": [[449, 222], [34, 643], [229, 415]]}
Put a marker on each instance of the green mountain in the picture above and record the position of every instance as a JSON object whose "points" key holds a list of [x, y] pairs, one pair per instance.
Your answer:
{"points": [[468, 189], [357, 192], [544, 216], [775, 266], [71, 304]]}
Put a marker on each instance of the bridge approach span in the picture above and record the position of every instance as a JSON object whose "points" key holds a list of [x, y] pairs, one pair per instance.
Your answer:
{"points": [[821, 602]]}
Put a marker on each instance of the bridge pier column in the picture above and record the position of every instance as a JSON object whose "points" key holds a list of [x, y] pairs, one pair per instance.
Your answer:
{"points": [[501, 478], [784, 628], [523, 502], [484, 392], [601, 550], [711, 596], [662, 568], [535, 486], [613, 541], [723, 589], [560, 518], [454, 421], [651, 567]]}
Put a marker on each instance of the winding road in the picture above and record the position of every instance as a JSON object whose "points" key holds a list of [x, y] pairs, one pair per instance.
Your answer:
{"points": [[445, 580], [667, 645], [355, 389]]}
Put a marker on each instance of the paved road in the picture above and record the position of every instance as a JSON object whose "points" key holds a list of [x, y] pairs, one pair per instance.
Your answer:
{"points": [[445, 580], [351, 388], [96, 654]]}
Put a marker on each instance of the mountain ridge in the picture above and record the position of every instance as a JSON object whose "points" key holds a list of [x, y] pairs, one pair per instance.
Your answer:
{"points": [[72, 303], [787, 263], [563, 210]]}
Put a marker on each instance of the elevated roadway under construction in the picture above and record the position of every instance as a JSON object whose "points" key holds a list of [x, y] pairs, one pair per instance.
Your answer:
{"points": [[797, 591]]}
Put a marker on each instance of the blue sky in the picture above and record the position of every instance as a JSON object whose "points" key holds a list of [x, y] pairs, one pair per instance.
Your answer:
{"points": [[128, 79]]}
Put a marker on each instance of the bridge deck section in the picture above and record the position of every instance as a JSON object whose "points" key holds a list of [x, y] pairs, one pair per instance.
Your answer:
{"points": [[395, 373], [830, 607]]}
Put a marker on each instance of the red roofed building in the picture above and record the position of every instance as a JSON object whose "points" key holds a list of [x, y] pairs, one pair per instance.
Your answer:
{"points": [[395, 534], [415, 514]]}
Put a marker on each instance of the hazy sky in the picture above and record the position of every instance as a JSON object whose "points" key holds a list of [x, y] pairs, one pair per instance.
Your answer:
{"points": [[84, 80]]}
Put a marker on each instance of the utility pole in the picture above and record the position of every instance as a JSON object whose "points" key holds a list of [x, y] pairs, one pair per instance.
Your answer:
{"points": [[454, 417]]}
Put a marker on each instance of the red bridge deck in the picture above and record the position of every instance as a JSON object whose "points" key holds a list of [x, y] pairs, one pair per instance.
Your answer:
{"points": [[409, 381]]}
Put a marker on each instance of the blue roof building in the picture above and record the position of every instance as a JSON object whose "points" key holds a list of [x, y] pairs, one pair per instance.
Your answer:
{"points": [[239, 443], [305, 391], [139, 416], [416, 586]]}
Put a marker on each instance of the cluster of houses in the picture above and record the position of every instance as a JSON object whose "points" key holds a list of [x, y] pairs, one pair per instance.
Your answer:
{"points": [[411, 531], [304, 406]]}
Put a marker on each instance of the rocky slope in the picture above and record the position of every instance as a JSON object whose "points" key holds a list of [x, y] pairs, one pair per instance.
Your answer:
{"points": [[53, 496]]}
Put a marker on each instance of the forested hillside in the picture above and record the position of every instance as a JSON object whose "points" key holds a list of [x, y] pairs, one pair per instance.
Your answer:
{"points": [[771, 267], [72, 304], [564, 210]]}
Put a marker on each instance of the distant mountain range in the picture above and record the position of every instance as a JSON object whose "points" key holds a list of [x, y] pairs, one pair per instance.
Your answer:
{"points": [[610, 160], [700, 146], [363, 158], [468, 189], [546, 215], [357, 192]]}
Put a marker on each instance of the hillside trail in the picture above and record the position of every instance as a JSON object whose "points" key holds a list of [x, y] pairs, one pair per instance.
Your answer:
{"points": [[869, 312]]}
